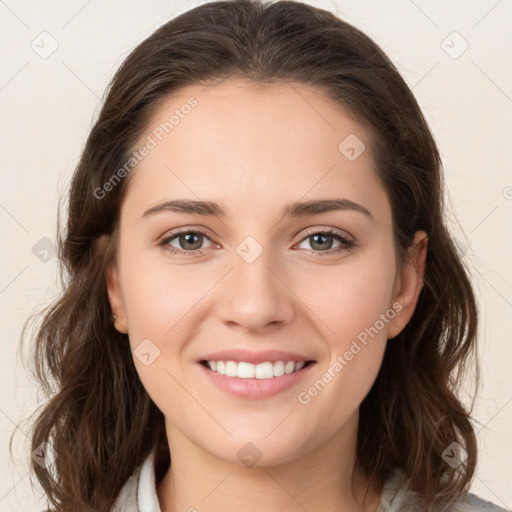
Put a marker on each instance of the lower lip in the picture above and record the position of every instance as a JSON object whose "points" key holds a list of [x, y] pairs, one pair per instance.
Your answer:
{"points": [[256, 389]]}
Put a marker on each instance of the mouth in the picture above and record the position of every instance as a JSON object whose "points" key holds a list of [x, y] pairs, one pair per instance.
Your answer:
{"points": [[261, 381], [263, 371]]}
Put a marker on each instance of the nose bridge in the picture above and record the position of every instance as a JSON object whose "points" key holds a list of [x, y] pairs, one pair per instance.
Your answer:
{"points": [[254, 295], [254, 263]]}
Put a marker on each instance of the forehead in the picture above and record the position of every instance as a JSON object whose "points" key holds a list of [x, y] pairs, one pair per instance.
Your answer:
{"points": [[239, 143]]}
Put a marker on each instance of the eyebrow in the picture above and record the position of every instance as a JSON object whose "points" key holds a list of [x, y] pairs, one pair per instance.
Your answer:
{"points": [[296, 209]]}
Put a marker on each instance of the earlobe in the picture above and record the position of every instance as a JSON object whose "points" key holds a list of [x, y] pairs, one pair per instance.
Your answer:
{"points": [[410, 282]]}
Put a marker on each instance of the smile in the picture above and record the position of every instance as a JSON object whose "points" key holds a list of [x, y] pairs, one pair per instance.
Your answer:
{"points": [[255, 381], [246, 370]]}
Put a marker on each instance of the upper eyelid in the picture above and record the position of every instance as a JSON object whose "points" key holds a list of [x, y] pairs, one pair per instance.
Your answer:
{"points": [[180, 231], [329, 230]]}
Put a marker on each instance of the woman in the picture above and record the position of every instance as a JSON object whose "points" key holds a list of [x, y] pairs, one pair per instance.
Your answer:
{"points": [[304, 351]]}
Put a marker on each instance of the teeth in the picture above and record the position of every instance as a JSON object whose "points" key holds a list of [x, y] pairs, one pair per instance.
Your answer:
{"points": [[278, 369], [230, 369], [245, 370], [263, 371], [289, 367]]}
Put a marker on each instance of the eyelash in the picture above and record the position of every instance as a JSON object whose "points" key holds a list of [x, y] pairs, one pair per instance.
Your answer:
{"points": [[348, 244]]}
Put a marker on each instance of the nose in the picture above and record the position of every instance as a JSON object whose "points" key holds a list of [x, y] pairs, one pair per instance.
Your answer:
{"points": [[254, 295]]}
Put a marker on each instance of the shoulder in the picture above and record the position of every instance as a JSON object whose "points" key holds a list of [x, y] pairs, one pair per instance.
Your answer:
{"points": [[139, 492], [474, 503], [397, 497], [127, 499]]}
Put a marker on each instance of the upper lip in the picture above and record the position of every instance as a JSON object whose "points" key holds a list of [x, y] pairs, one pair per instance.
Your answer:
{"points": [[243, 354]]}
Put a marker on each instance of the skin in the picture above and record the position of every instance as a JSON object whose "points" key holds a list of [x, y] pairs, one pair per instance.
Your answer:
{"points": [[253, 150]]}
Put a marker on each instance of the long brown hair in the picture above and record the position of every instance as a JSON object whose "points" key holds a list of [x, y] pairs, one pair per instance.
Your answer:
{"points": [[98, 417]]}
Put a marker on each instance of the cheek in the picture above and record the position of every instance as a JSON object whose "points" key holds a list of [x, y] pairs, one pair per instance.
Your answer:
{"points": [[349, 299], [162, 302], [352, 305], [158, 295], [359, 311]]}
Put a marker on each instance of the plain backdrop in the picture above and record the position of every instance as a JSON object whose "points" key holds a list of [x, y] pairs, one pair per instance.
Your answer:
{"points": [[57, 58]]}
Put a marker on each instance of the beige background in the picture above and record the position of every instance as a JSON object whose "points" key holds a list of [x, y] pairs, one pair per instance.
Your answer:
{"points": [[48, 106]]}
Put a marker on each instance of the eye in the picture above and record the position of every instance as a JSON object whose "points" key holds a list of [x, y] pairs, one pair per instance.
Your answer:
{"points": [[320, 240], [189, 239]]}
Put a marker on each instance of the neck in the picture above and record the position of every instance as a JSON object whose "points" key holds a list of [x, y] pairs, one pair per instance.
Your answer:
{"points": [[324, 479]]}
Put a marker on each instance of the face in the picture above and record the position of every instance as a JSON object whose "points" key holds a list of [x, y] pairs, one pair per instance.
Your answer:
{"points": [[320, 284]]}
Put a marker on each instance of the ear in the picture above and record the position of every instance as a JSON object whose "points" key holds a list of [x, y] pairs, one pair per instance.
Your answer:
{"points": [[115, 295], [409, 283]]}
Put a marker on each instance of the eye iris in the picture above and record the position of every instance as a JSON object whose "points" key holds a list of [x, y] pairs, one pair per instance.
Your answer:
{"points": [[322, 236], [187, 238]]}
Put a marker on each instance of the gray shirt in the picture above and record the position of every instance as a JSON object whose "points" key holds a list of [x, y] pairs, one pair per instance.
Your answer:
{"points": [[139, 495]]}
